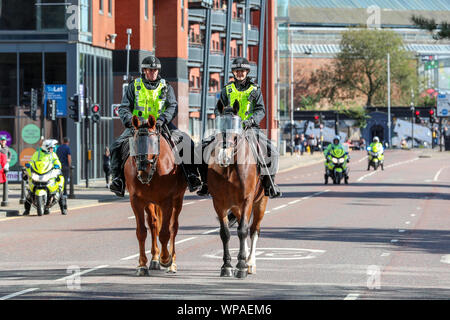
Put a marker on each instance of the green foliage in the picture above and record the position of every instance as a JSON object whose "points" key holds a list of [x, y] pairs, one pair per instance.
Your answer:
{"points": [[361, 67], [432, 26], [357, 113], [427, 101]]}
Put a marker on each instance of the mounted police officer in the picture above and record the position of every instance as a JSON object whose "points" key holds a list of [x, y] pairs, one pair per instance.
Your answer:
{"points": [[147, 95], [251, 110]]}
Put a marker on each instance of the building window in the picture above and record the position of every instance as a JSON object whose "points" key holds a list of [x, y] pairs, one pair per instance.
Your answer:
{"points": [[100, 6], [110, 7], [55, 67], [8, 81], [182, 14], [30, 73], [17, 17], [146, 9]]}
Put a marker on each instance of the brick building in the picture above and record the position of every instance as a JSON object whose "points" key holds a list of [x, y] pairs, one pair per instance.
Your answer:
{"points": [[81, 48]]}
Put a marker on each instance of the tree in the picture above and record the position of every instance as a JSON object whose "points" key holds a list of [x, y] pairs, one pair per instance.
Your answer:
{"points": [[432, 26], [360, 68]]}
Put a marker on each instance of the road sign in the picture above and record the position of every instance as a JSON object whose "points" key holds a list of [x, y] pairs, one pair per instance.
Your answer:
{"points": [[443, 105], [115, 110]]}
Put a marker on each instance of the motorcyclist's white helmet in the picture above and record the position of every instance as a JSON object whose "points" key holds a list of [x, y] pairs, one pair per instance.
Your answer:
{"points": [[376, 139], [338, 138], [47, 144]]}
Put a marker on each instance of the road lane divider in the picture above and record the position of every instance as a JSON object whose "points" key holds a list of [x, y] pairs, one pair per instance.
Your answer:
{"points": [[388, 166], [78, 274], [12, 295]]}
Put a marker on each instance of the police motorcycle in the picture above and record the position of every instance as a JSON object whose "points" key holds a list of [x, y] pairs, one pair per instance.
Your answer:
{"points": [[376, 157], [336, 166], [45, 183]]}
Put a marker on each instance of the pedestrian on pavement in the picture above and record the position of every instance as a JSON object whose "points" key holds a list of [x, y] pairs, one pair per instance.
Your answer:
{"points": [[300, 143], [312, 142], [64, 155], [3, 163], [5, 150], [107, 165]]}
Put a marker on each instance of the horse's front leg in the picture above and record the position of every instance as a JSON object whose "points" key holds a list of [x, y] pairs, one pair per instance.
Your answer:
{"points": [[165, 258], [154, 220], [141, 234], [242, 231], [259, 209], [177, 206]]}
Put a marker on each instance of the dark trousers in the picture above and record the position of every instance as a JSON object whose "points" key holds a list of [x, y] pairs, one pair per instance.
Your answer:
{"points": [[66, 174]]}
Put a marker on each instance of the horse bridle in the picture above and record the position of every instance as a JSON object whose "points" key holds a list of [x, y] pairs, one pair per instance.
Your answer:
{"points": [[142, 161]]}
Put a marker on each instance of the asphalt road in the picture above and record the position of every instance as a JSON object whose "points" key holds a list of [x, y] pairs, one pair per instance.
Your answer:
{"points": [[386, 235]]}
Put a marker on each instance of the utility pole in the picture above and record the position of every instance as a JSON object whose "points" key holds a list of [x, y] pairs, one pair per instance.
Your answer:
{"points": [[128, 48], [412, 118], [292, 88], [389, 98]]}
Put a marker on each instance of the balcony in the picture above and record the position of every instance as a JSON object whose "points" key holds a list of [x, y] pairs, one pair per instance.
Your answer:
{"points": [[236, 28], [195, 54], [196, 58], [253, 36], [197, 15], [195, 100], [218, 20], [255, 3]]}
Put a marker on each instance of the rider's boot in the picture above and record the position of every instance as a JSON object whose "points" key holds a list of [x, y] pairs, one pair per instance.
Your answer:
{"points": [[270, 188], [117, 186], [193, 179], [63, 204], [203, 169], [27, 207]]}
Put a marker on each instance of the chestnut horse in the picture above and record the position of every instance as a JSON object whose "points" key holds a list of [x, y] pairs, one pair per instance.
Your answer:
{"points": [[234, 184], [156, 185]]}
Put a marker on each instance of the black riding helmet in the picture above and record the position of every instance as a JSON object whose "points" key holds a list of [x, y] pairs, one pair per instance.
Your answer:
{"points": [[240, 63], [150, 62]]}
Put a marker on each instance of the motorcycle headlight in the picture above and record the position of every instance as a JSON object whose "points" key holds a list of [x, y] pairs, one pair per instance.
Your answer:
{"points": [[341, 160], [42, 178], [335, 160]]}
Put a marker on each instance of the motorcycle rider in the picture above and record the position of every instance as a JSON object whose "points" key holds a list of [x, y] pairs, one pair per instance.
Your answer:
{"points": [[46, 154], [251, 111], [377, 145], [147, 95], [336, 144]]}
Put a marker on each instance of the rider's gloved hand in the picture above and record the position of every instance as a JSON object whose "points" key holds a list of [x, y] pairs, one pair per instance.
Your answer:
{"points": [[159, 124], [250, 122]]}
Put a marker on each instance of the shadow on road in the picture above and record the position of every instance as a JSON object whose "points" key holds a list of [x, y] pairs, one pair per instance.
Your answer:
{"points": [[431, 241], [371, 195]]}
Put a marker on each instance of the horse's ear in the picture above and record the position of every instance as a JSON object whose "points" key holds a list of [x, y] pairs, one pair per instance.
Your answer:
{"points": [[235, 107], [151, 122], [220, 106], [135, 122]]}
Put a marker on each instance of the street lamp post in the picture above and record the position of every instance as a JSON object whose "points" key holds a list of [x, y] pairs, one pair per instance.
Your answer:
{"points": [[389, 97], [292, 88], [128, 48]]}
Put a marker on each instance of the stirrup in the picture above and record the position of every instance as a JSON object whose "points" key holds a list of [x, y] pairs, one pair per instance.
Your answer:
{"points": [[203, 191], [118, 190]]}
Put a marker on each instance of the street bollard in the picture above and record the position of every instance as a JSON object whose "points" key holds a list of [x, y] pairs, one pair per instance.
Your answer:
{"points": [[22, 187], [5, 194], [71, 193]]}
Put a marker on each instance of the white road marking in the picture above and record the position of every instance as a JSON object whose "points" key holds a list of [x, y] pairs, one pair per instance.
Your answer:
{"points": [[407, 222], [185, 204], [385, 254], [362, 159], [389, 166], [445, 259], [401, 230], [280, 207], [394, 240], [132, 217], [12, 295], [185, 240], [413, 215], [77, 274], [295, 201], [352, 296], [211, 231], [436, 177]]}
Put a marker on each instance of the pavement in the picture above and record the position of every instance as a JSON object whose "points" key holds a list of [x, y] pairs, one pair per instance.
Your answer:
{"points": [[97, 193]]}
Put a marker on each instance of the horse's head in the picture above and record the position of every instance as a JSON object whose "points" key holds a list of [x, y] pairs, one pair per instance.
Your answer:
{"points": [[229, 128], [144, 148]]}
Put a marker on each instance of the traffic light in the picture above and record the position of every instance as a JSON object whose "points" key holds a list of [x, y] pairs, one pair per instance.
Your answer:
{"points": [[95, 109], [34, 104], [51, 110], [316, 121], [75, 107], [432, 118], [418, 120]]}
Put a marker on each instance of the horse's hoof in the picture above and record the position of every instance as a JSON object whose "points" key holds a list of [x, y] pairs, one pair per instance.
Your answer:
{"points": [[154, 265], [172, 268], [167, 264], [142, 271], [251, 269], [226, 272], [241, 273]]}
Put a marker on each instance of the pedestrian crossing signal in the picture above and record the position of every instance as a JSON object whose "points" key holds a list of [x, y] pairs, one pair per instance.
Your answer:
{"points": [[95, 109]]}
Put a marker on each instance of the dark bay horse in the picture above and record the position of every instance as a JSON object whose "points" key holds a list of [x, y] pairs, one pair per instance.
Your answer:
{"points": [[234, 184], [156, 185]]}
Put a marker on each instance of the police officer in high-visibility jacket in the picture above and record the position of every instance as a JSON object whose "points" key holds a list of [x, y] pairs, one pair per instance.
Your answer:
{"points": [[251, 110], [147, 95]]}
